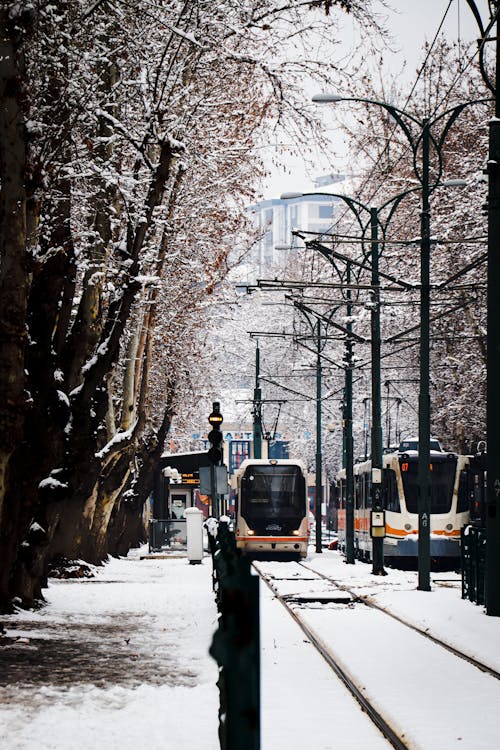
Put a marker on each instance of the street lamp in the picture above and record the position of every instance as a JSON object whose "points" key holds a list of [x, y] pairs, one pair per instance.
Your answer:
{"points": [[373, 223], [316, 330], [493, 317], [376, 433], [346, 402], [319, 336], [422, 141], [347, 418], [257, 408]]}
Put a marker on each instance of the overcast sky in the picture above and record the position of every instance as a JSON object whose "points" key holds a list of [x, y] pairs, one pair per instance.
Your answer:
{"points": [[411, 23]]}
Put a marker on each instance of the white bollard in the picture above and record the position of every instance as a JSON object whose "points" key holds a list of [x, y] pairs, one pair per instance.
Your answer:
{"points": [[194, 533]]}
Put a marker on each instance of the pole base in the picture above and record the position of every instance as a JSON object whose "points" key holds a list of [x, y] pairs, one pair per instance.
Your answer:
{"points": [[379, 571]]}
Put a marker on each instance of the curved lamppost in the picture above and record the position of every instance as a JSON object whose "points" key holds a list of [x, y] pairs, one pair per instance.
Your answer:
{"points": [[316, 329], [346, 284], [492, 593], [372, 223], [257, 408], [422, 135], [319, 333]]}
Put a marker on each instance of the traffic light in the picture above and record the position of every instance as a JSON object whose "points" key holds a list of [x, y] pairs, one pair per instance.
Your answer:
{"points": [[215, 434]]}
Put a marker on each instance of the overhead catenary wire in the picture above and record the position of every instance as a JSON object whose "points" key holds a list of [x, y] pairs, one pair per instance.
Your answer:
{"points": [[311, 268], [439, 104], [395, 128]]}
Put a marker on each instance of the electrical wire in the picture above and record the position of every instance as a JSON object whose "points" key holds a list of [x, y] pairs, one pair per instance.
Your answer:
{"points": [[424, 64], [453, 84]]}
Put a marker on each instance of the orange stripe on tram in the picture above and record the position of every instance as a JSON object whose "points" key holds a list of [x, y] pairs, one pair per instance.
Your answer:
{"points": [[271, 539]]}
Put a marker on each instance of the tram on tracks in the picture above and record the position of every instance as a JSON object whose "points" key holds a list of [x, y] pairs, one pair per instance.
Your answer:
{"points": [[449, 505], [271, 512]]}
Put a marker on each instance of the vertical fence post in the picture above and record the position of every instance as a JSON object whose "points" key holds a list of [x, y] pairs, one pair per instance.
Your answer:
{"points": [[473, 557], [236, 645], [465, 560]]}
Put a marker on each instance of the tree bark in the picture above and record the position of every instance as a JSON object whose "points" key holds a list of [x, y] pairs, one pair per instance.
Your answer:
{"points": [[15, 267]]}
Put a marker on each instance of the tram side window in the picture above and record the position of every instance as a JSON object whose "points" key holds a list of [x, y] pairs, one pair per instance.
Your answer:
{"points": [[390, 490], [368, 491], [464, 493], [335, 498], [358, 491]]}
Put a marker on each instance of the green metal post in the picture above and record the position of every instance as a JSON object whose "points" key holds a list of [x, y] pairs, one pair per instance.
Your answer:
{"points": [[213, 490], [424, 411], [236, 645], [319, 461], [348, 433], [257, 409], [344, 457], [493, 361], [376, 435]]}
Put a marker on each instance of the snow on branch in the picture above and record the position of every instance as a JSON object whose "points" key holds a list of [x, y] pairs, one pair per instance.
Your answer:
{"points": [[117, 441]]}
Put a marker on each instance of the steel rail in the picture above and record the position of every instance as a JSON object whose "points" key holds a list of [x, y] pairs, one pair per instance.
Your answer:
{"points": [[384, 727], [368, 601]]}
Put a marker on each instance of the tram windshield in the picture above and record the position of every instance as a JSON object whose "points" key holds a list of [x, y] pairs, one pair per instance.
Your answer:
{"points": [[442, 480], [272, 492]]}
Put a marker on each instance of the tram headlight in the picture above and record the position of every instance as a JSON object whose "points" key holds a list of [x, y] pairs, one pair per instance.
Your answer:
{"points": [[295, 532], [251, 532]]}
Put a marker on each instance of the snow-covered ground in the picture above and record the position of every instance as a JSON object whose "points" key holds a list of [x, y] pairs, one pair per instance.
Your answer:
{"points": [[118, 661], [121, 661], [425, 692]]}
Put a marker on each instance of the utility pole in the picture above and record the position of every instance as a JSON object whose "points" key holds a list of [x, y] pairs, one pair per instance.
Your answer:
{"points": [[318, 502], [349, 448], [377, 526], [420, 142], [376, 433], [493, 313], [424, 411], [493, 359], [319, 458], [257, 409]]}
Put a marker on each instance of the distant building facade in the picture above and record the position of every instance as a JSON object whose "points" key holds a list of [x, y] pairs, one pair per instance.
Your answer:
{"points": [[275, 220]]}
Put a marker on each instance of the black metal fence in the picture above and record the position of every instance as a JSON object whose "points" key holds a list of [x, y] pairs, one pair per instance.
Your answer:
{"points": [[236, 643], [167, 534], [473, 550]]}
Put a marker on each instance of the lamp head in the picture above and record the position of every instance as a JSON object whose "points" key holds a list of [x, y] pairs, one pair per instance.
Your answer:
{"points": [[289, 196], [454, 183], [327, 98]]}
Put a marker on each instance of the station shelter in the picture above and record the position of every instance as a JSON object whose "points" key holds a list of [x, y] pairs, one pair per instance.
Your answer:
{"points": [[176, 485]]}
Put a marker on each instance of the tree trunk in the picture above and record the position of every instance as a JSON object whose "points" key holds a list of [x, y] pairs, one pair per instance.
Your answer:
{"points": [[15, 26]]}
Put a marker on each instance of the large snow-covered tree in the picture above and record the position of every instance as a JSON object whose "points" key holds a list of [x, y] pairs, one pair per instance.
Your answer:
{"points": [[129, 145]]}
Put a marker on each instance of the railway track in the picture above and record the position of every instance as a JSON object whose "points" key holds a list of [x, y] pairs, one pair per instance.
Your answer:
{"points": [[353, 634], [369, 602], [392, 736]]}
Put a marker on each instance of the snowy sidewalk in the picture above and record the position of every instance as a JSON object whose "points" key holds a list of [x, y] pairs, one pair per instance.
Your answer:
{"points": [[118, 661]]}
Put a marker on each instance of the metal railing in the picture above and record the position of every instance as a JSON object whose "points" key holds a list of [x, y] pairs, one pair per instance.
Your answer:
{"points": [[473, 552], [167, 534], [236, 642]]}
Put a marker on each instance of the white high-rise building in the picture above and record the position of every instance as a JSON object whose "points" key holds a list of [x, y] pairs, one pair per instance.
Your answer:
{"points": [[275, 220]]}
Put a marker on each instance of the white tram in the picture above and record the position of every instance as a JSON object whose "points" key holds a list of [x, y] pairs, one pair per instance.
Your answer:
{"points": [[449, 501], [272, 518]]}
